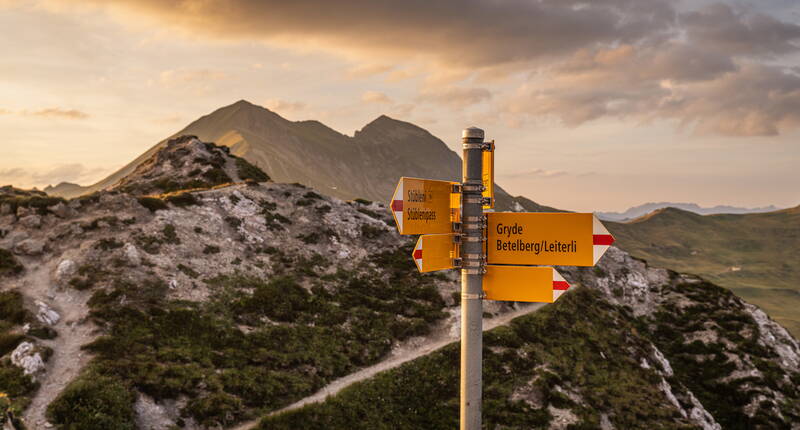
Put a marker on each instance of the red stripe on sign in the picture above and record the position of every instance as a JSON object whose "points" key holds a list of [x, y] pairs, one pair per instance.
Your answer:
{"points": [[397, 205], [602, 239], [417, 254], [560, 285]]}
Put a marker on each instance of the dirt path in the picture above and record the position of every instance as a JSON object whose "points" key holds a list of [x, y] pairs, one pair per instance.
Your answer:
{"points": [[67, 359], [406, 352]]}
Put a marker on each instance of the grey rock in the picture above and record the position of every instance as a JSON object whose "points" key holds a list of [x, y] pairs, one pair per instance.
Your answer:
{"points": [[23, 211], [31, 221], [5, 209], [26, 357], [61, 210], [16, 237], [65, 270], [132, 254], [30, 247], [7, 220], [46, 314]]}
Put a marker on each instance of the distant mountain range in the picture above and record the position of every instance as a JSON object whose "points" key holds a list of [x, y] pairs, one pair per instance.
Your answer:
{"points": [[366, 165], [641, 210]]}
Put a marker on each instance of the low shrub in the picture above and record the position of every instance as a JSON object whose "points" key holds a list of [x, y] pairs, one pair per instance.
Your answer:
{"points": [[250, 171], [211, 249], [94, 401], [9, 265], [182, 199], [153, 203]]}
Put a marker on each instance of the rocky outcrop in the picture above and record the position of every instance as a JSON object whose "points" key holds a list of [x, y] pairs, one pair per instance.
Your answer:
{"points": [[27, 357]]}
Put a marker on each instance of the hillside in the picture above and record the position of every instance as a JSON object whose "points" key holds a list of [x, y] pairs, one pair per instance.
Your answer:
{"points": [[754, 255], [195, 293], [367, 165]]}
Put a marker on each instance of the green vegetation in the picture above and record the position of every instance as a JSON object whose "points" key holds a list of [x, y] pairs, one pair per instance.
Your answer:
{"points": [[9, 266], [752, 254], [188, 271], [108, 243], [248, 171], [211, 249], [182, 199], [17, 386], [93, 401], [302, 331], [153, 203], [87, 276], [34, 200], [580, 348]]}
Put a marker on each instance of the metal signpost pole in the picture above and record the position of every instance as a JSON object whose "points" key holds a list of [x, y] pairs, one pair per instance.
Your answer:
{"points": [[472, 258]]}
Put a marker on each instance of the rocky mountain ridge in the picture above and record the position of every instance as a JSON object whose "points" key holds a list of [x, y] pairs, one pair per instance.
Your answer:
{"points": [[151, 305], [366, 165]]}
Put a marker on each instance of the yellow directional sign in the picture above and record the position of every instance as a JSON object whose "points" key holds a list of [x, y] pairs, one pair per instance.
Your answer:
{"points": [[423, 206], [435, 252], [488, 175], [558, 239], [523, 284]]}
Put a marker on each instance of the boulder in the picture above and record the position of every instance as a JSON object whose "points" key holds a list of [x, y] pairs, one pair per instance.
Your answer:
{"points": [[132, 254], [65, 270], [31, 221], [26, 356], [60, 210], [5, 209], [30, 247], [23, 211], [46, 314]]}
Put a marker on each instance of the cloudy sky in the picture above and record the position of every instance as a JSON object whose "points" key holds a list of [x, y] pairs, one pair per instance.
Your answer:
{"points": [[595, 105]]}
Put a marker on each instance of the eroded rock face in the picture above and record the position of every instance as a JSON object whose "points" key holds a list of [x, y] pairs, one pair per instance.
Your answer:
{"points": [[28, 358]]}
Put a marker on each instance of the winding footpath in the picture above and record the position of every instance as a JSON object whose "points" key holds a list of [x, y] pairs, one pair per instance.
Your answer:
{"points": [[405, 352], [68, 359]]}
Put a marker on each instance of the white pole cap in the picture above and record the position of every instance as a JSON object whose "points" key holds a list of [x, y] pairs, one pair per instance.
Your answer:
{"points": [[472, 133]]}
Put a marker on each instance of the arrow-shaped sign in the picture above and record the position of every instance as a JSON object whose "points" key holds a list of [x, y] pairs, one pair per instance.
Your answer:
{"points": [[421, 206], [523, 284], [435, 252], [558, 239]]}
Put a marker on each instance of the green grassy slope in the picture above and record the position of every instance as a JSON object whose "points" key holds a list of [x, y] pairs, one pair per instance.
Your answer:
{"points": [[755, 255], [581, 354]]}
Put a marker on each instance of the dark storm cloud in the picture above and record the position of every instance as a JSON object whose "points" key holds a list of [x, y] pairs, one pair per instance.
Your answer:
{"points": [[727, 30], [642, 59], [462, 32]]}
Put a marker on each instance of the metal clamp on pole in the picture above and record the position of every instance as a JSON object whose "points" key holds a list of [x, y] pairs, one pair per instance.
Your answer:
{"points": [[473, 188]]}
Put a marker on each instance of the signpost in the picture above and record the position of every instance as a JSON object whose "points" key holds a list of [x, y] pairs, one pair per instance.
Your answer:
{"points": [[422, 206], [500, 254], [560, 239], [488, 176], [436, 252], [523, 283]]}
